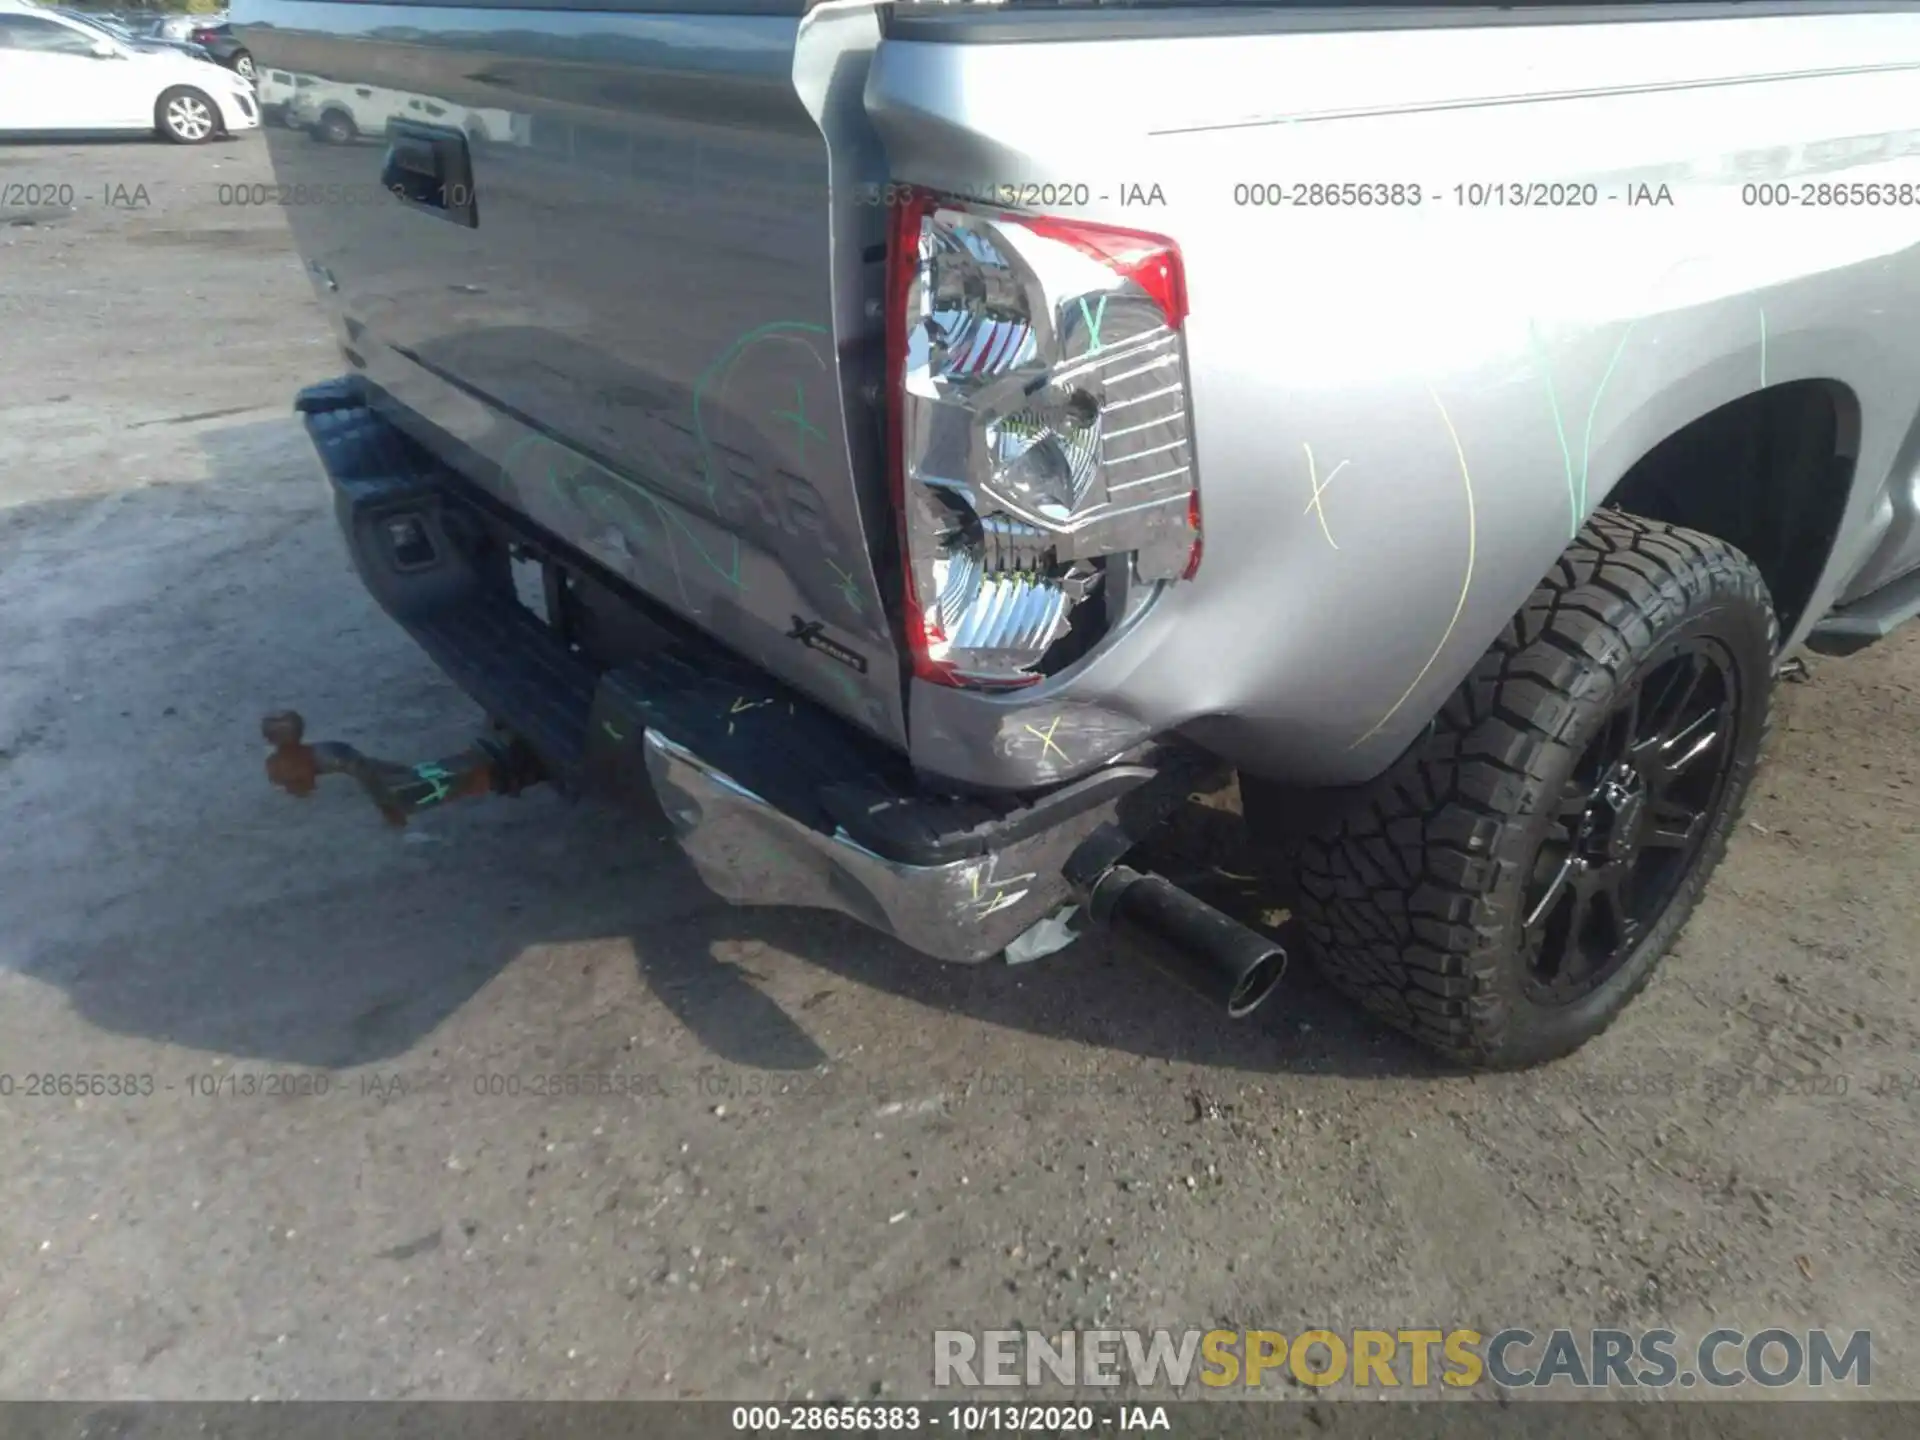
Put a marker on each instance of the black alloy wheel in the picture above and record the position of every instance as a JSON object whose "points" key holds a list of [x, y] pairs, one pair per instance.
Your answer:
{"points": [[1506, 886], [1630, 823]]}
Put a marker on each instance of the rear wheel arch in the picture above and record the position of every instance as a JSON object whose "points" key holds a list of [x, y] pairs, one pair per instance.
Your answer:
{"points": [[1770, 472]]}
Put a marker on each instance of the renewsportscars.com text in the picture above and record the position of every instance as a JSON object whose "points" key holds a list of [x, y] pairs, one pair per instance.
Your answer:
{"points": [[1514, 1358]]}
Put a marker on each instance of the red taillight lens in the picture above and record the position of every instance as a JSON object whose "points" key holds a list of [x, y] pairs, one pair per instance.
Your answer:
{"points": [[1150, 261], [1039, 431], [903, 267]]}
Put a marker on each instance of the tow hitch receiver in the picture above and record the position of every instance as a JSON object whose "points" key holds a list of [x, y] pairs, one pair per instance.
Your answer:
{"points": [[487, 767]]}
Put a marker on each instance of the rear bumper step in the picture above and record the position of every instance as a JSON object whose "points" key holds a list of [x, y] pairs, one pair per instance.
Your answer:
{"points": [[775, 800]]}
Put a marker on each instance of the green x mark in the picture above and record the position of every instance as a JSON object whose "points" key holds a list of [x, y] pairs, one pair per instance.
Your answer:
{"points": [[803, 427], [1093, 320], [847, 586]]}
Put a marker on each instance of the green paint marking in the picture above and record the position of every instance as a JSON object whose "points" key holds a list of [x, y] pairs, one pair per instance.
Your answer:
{"points": [[848, 588], [845, 681], [1586, 448], [436, 776], [531, 437], [576, 489], [1093, 323], [803, 427], [730, 572], [717, 371], [607, 725], [598, 492], [1560, 428]]}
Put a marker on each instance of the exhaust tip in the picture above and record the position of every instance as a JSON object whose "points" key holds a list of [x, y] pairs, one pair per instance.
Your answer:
{"points": [[1257, 985], [1230, 963]]}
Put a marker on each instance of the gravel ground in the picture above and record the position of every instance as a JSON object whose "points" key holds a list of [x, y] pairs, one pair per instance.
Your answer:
{"points": [[829, 1148]]}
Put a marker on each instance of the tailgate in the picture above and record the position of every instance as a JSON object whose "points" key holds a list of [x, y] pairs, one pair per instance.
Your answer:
{"points": [[622, 294]]}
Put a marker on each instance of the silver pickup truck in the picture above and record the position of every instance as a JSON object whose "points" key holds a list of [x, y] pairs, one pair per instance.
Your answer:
{"points": [[919, 445]]}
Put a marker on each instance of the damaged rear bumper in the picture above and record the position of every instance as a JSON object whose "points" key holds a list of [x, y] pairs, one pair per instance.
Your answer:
{"points": [[751, 853], [774, 800]]}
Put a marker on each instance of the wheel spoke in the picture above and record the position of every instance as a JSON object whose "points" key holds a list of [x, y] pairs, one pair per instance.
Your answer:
{"points": [[1680, 692], [1676, 695], [1612, 892], [1691, 741], [1556, 891], [1672, 826], [1582, 910]]}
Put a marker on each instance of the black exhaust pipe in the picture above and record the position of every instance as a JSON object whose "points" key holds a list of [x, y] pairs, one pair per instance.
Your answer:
{"points": [[1229, 963]]}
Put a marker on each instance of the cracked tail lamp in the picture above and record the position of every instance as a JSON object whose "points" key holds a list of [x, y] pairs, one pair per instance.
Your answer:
{"points": [[1041, 437]]}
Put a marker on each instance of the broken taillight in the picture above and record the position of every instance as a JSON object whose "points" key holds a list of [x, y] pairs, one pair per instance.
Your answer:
{"points": [[1040, 435]]}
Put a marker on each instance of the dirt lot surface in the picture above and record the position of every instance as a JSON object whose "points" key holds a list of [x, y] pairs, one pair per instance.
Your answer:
{"points": [[827, 1148]]}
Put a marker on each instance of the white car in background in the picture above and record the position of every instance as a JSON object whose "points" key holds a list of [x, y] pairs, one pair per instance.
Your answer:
{"points": [[483, 125], [275, 90], [341, 114], [62, 75]]}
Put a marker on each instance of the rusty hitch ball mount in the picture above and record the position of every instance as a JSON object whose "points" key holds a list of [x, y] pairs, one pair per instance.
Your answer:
{"points": [[487, 767]]}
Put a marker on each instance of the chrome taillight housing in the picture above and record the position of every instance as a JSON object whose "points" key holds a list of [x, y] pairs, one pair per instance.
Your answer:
{"points": [[1041, 432]]}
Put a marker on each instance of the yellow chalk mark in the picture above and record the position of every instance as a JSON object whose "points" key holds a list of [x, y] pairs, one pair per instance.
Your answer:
{"points": [[1002, 901], [1320, 489], [1466, 581], [1046, 739], [741, 704]]}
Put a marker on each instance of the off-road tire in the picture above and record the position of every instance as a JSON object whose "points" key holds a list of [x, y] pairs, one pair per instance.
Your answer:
{"points": [[1411, 897]]}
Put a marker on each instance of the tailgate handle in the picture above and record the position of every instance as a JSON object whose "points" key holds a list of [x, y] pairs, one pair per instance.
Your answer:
{"points": [[431, 169]]}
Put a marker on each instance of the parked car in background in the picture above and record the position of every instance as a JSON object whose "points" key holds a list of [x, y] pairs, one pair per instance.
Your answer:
{"points": [[341, 114], [225, 47], [120, 29], [61, 75], [275, 90], [483, 125], [180, 27]]}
